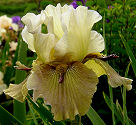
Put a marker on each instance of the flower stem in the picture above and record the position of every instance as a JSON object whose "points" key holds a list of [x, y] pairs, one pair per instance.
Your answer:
{"points": [[110, 89], [126, 121], [112, 106], [19, 108]]}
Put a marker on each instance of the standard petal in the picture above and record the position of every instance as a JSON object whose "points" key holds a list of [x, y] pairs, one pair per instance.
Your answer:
{"points": [[28, 38], [77, 40], [33, 22], [55, 13], [114, 79], [96, 43], [69, 98], [44, 46], [93, 17], [17, 91]]}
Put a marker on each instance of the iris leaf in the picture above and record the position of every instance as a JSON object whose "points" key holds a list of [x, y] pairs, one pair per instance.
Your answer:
{"points": [[94, 117], [45, 114], [129, 52], [117, 109], [19, 77], [8, 119]]}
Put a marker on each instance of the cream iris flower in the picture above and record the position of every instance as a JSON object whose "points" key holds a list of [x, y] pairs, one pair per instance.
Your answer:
{"points": [[6, 23], [68, 63]]}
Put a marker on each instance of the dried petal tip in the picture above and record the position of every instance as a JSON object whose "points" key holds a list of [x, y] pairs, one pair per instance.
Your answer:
{"points": [[21, 66]]}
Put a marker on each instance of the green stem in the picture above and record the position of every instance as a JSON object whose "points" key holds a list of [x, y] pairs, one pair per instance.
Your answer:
{"points": [[19, 108], [79, 122], [124, 99], [124, 106], [110, 89], [112, 105], [33, 114]]}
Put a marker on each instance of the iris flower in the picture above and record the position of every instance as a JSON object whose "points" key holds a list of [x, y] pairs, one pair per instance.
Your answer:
{"points": [[65, 73]]}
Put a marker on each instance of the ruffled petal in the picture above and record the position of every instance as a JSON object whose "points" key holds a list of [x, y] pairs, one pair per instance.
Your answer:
{"points": [[96, 43], [17, 91], [28, 38], [93, 17], [55, 13], [44, 46], [54, 16], [77, 40], [69, 98], [114, 79], [33, 22]]}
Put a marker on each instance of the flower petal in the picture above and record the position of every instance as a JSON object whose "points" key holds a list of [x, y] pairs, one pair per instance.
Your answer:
{"points": [[15, 27], [94, 17], [96, 43], [5, 22], [114, 78], [1, 75], [77, 40], [33, 22], [44, 46], [69, 98], [55, 13], [28, 38], [2, 87], [17, 91], [91, 64]]}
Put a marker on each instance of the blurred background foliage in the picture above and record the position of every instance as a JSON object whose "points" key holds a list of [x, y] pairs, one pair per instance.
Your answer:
{"points": [[118, 16]]}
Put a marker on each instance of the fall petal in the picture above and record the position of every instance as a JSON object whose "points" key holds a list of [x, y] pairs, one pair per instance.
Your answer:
{"points": [[17, 91], [69, 98], [91, 64], [114, 78]]}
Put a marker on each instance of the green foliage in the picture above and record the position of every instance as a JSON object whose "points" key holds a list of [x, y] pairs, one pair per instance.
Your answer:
{"points": [[7, 119], [117, 109], [94, 117], [44, 113]]}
